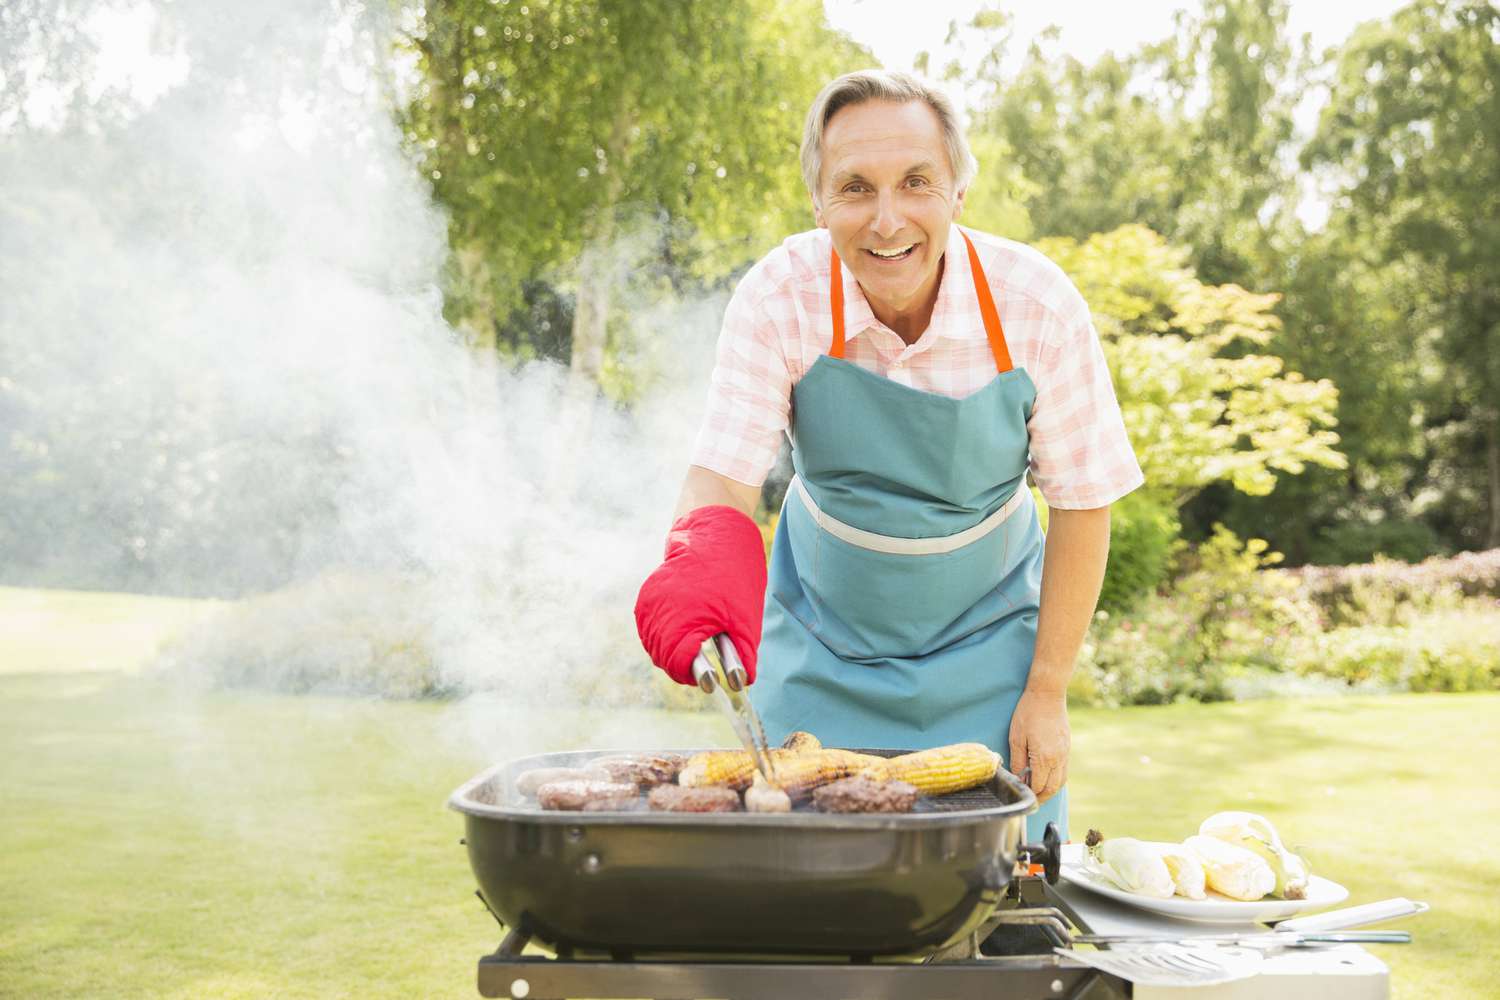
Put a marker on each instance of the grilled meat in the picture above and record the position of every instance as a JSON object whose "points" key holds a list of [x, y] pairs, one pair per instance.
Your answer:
{"points": [[675, 798], [647, 770], [865, 795], [577, 794], [530, 781], [763, 797]]}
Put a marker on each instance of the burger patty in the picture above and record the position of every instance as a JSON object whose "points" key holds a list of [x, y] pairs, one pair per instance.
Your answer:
{"points": [[705, 799], [578, 794], [865, 795]]}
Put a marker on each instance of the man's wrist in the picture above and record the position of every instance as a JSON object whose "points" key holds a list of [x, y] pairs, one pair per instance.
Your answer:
{"points": [[1048, 681]]}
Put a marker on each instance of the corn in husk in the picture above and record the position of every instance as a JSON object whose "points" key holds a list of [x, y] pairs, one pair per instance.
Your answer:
{"points": [[1255, 833], [1232, 870], [1131, 864], [942, 770], [1186, 870]]}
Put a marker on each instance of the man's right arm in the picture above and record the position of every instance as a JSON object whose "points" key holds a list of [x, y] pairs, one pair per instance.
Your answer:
{"points": [[704, 488]]}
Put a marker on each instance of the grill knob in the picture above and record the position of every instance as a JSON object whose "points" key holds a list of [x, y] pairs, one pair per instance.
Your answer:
{"points": [[519, 988]]}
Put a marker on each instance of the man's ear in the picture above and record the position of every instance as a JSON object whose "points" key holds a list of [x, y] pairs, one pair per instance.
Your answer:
{"points": [[958, 204]]}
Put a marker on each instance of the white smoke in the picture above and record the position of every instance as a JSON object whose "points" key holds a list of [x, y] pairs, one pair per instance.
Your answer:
{"points": [[224, 367]]}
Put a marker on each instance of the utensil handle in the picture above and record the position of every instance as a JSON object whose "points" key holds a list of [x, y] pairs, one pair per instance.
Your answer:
{"points": [[1353, 916], [734, 669], [703, 673]]}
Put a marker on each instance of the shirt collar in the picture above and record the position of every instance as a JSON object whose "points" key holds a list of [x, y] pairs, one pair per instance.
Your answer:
{"points": [[951, 315]]}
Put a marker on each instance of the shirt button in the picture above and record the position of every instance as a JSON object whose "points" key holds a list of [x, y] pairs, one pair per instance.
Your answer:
{"points": [[897, 363]]}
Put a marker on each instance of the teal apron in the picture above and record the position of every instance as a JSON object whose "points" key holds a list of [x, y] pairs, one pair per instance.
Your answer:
{"points": [[906, 570]]}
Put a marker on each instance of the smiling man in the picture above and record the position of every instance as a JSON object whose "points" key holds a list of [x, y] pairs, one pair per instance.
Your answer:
{"points": [[921, 371]]}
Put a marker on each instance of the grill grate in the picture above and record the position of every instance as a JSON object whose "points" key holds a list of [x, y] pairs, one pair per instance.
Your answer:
{"points": [[994, 795]]}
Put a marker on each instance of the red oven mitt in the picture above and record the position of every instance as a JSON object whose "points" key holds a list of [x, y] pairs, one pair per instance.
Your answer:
{"points": [[713, 580]]}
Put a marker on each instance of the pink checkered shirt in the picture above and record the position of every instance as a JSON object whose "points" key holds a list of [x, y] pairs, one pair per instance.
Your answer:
{"points": [[779, 322]]}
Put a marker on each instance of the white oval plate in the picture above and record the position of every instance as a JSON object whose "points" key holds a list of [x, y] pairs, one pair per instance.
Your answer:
{"points": [[1216, 909]]}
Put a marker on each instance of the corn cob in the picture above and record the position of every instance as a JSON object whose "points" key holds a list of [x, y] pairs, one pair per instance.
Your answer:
{"points": [[801, 741], [943, 769], [798, 772]]}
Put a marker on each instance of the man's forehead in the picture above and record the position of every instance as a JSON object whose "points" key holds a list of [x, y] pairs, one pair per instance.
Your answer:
{"points": [[885, 136]]}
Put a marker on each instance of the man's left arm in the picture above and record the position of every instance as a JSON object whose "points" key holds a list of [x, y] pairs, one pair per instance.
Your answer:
{"points": [[1072, 573]]}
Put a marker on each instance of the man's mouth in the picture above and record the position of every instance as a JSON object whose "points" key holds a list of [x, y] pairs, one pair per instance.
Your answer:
{"points": [[893, 253]]}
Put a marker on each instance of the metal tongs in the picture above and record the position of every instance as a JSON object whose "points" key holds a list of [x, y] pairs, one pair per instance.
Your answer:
{"points": [[722, 677]]}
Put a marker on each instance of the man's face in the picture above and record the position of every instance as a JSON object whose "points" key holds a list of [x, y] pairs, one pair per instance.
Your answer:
{"points": [[886, 185]]}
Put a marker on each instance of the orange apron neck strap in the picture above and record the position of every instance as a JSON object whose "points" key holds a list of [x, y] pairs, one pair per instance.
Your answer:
{"points": [[836, 297], [987, 310]]}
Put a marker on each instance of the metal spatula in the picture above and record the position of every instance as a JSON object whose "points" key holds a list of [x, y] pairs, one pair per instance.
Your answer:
{"points": [[1170, 964]]}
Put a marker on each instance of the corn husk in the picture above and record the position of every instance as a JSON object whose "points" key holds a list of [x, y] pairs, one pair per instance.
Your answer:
{"points": [[1186, 870], [1231, 870], [1255, 833], [1131, 864]]}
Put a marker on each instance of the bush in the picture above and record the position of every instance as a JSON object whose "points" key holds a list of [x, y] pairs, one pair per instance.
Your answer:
{"points": [[1355, 542], [1450, 651], [1227, 614], [1142, 532], [1387, 592]]}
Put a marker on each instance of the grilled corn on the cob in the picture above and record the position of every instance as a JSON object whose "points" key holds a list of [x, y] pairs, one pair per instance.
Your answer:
{"points": [[798, 772], [943, 769], [801, 741]]}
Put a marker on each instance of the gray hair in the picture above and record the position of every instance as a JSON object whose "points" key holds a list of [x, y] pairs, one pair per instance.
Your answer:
{"points": [[883, 85]]}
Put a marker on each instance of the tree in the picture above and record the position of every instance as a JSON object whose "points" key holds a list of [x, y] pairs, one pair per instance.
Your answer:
{"points": [[1412, 132], [1197, 413], [555, 131]]}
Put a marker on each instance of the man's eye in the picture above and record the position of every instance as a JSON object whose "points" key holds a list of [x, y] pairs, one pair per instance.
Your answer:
{"points": [[918, 182], [853, 188]]}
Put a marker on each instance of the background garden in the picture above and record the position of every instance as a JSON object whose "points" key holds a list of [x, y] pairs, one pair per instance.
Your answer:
{"points": [[351, 356]]}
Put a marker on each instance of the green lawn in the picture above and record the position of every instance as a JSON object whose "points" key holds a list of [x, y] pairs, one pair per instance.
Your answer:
{"points": [[168, 844]]}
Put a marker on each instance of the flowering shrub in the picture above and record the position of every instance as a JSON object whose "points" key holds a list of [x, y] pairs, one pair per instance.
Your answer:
{"points": [[1228, 613], [1232, 623], [1386, 591]]}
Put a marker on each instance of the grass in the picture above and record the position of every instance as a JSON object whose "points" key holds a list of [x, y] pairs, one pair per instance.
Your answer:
{"points": [[159, 843]]}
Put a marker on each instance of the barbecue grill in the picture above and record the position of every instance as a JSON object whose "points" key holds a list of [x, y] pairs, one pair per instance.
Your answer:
{"points": [[745, 905], [811, 906]]}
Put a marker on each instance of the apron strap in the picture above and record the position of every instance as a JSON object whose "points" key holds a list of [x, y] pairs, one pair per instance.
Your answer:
{"points": [[987, 311]]}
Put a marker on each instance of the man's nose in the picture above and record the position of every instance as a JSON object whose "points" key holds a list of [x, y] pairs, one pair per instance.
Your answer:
{"points": [[888, 216]]}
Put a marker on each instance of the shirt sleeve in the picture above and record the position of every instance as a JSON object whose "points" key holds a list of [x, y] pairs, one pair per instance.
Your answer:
{"points": [[749, 395], [1081, 457]]}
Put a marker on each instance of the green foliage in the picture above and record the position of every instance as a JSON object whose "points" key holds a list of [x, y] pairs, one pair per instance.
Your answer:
{"points": [[1196, 413], [551, 129], [1451, 651], [1142, 531], [1388, 592], [1225, 615], [1410, 136]]}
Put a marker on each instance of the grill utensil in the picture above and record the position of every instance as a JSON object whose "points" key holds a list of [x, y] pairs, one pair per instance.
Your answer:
{"points": [[723, 678]]}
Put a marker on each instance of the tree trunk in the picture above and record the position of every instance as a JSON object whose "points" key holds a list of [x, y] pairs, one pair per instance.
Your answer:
{"points": [[596, 265], [1492, 435]]}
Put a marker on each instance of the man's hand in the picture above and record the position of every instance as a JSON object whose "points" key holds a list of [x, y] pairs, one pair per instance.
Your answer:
{"points": [[1040, 738]]}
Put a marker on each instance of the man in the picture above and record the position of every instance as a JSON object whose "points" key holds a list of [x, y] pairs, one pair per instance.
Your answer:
{"points": [[920, 370]]}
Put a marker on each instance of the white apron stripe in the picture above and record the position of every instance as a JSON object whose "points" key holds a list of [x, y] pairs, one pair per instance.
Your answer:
{"points": [[908, 546]]}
